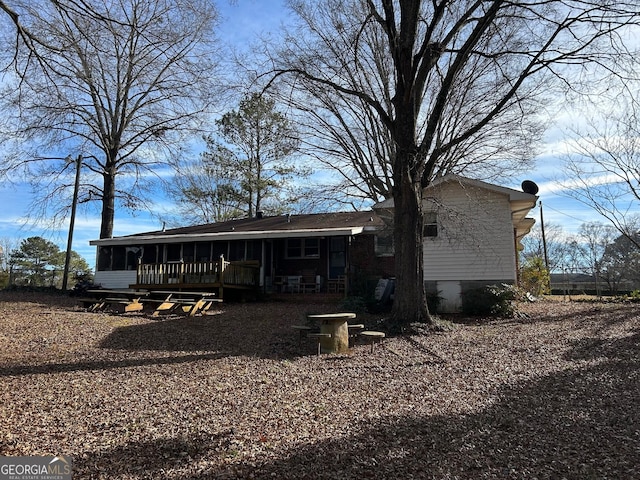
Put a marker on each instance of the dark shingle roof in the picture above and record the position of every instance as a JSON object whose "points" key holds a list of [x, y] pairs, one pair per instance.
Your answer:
{"points": [[314, 221]]}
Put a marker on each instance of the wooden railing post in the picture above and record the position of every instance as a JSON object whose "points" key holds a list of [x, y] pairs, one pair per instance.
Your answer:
{"points": [[221, 269]]}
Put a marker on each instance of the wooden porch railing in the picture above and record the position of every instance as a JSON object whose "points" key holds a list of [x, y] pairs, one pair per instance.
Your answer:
{"points": [[218, 272]]}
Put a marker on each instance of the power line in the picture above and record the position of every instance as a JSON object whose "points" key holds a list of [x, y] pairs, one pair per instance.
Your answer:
{"points": [[563, 213]]}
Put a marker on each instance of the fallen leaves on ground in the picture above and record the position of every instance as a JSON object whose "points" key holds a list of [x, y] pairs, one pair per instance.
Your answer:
{"points": [[553, 393]]}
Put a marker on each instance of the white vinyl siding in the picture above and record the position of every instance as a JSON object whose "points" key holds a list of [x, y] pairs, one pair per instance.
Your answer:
{"points": [[475, 235]]}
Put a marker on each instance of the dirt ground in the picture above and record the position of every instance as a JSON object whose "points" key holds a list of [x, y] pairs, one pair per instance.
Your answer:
{"points": [[553, 393]]}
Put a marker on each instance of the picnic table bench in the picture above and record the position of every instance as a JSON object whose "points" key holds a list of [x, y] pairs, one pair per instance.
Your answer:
{"points": [[162, 301], [190, 303], [100, 299]]}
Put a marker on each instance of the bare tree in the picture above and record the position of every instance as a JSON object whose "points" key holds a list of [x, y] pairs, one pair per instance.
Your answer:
{"points": [[557, 243], [7, 245], [119, 82], [595, 238], [347, 140], [497, 53], [604, 166], [350, 139], [27, 40]]}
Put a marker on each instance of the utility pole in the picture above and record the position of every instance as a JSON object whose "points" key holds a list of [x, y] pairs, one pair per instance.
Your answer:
{"points": [[72, 221], [544, 240]]}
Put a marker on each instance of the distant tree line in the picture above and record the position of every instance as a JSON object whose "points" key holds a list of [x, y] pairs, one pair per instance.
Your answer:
{"points": [[598, 259], [37, 263]]}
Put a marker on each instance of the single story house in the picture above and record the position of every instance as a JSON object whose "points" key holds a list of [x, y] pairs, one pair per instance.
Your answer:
{"points": [[471, 235]]}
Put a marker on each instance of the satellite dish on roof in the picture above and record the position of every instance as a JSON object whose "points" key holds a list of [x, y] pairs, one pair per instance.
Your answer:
{"points": [[530, 187]]}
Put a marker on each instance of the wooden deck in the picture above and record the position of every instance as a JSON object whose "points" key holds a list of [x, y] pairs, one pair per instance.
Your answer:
{"points": [[202, 276]]}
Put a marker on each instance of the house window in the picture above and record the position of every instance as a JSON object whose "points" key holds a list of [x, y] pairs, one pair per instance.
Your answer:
{"points": [[119, 259], [384, 244], [430, 228], [311, 247], [104, 259], [294, 248], [303, 247]]}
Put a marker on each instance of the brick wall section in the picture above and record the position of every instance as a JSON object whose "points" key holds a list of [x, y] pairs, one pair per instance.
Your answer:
{"points": [[364, 260]]}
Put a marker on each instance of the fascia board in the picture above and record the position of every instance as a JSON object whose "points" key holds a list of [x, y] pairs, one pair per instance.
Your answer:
{"points": [[521, 208], [524, 227], [251, 235]]}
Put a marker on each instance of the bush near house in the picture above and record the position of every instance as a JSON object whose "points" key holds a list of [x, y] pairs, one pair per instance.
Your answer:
{"points": [[534, 277], [492, 300]]}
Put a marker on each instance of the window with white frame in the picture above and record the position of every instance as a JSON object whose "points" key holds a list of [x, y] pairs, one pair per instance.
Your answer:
{"points": [[430, 226]]}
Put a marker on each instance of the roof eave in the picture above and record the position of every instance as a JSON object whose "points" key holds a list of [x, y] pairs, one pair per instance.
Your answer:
{"points": [[231, 235]]}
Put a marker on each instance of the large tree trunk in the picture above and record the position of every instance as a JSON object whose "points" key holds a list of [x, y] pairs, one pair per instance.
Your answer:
{"points": [[108, 204], [410, 300]]}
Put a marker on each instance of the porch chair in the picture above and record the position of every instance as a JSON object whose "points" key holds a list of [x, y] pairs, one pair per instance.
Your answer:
{"points": [[293, 283], [310, 282], [336, 285]]}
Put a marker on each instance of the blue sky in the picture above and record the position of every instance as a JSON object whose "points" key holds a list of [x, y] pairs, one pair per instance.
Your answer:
{"points": [[244, 20]]}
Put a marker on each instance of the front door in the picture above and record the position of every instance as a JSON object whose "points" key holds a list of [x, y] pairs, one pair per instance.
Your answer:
{"points": [[337, 256]]}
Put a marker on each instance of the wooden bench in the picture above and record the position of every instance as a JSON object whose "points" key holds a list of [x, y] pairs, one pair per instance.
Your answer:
{"points": [[189, 303], [99, 299], [98, 304], [162, 306], [89, 303], [129, 305]]}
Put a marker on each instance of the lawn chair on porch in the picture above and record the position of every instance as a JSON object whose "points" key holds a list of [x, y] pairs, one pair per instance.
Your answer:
{"points": [[310, 282]]}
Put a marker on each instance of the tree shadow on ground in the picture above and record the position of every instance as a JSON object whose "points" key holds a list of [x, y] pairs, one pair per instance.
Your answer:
{"points": [[102, 364], [174, 339], [234, 331], [223, 333], [579, 423], [150, 459]]}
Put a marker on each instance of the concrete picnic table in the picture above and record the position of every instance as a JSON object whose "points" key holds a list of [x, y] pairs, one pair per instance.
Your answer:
{"points": [[337, 325]]}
